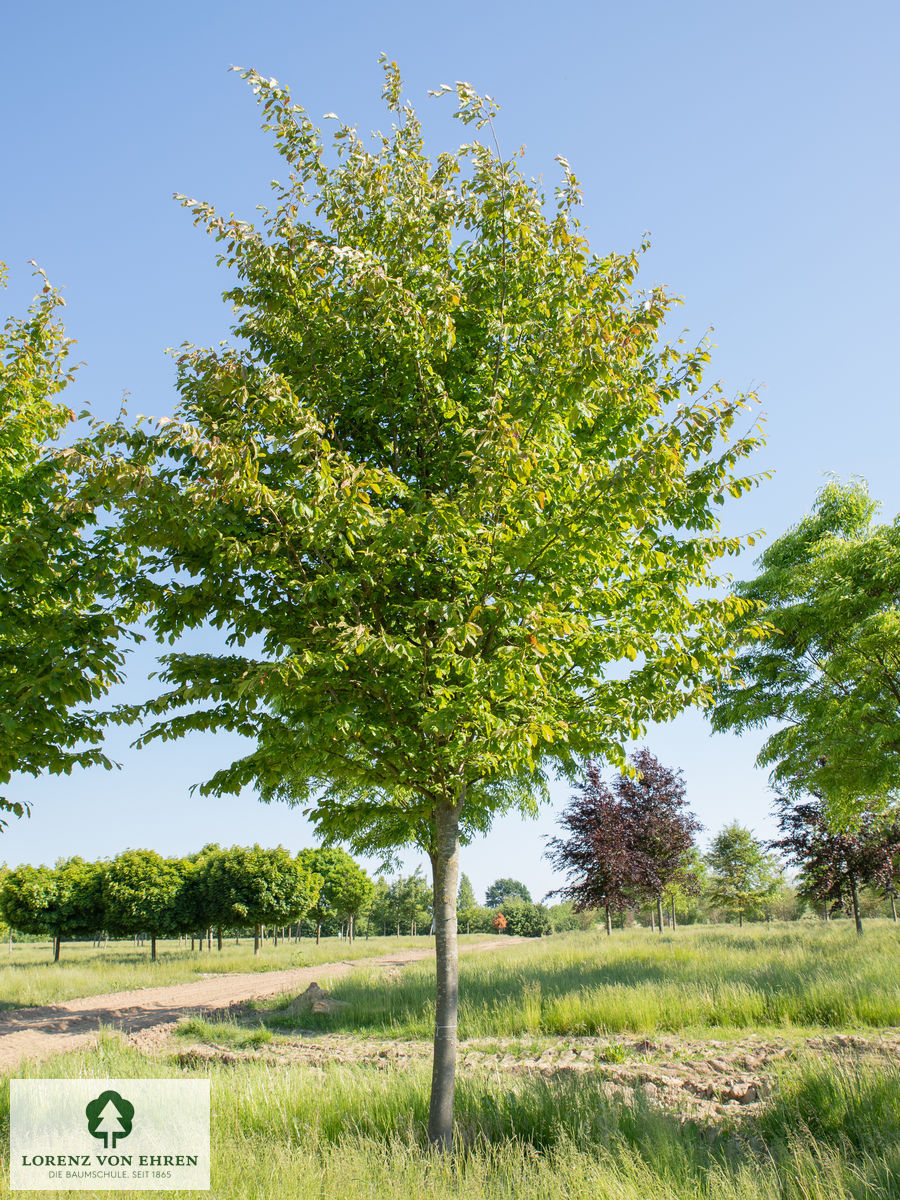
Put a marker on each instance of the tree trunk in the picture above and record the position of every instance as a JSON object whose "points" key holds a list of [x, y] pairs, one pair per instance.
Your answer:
{"points": [[445, 871], [318, 932], [740, 918], [893, 914], [659, 912], [56, 942], [275, 934], [674, 919], [209, 938], [855, 896], [256, 939], [608, 923], [153, 947], [219, 937], [652, 922]]}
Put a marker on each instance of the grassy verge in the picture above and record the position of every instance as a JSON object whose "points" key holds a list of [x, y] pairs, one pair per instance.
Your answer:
{"points": [[27, 976], [354, 1132], [698, 979]]}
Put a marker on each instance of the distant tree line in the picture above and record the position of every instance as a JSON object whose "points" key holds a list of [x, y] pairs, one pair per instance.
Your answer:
{"points": [[140, 893]]}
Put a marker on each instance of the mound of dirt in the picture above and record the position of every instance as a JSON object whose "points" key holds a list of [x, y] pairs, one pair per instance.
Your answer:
{"points": [[314, 999]]}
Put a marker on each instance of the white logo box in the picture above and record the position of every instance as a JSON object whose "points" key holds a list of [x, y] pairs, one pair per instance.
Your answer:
{"points": [[103, 1134]]}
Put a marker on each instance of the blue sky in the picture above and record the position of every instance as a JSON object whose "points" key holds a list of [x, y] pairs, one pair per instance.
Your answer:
{"points": [[756, 143]]}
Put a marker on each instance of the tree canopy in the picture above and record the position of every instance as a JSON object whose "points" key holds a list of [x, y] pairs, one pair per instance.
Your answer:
{"points": [[61, 620], [449, 487], [828, 674], [502, 890]]}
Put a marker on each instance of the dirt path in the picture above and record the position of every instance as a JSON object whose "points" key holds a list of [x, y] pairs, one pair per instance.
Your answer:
{"points": [[50, 1029]]}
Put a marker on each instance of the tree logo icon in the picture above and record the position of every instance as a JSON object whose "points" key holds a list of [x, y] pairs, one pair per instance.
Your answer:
{"points": [[109, 1116]]}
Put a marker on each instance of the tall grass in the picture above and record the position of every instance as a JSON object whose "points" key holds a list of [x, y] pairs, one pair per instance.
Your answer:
{"points": [[696, 979], [353, 1132], [28, 976]]}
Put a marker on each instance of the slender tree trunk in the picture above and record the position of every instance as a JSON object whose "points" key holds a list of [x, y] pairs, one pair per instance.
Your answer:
{"points": [[740, 918], [56, 942], [153, 947], [209, 938], [256, 939], [855, 896], [275, 934], [608, 922], [659, 911], [318, 932], [674, 918], [652, 922], [445, 871], [893, 914], [219, 937]]}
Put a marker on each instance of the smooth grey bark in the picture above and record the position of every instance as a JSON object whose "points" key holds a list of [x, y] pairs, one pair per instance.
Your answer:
{"points": [[56, 942], [674, 918], [256, 939], [445, 872], [659, 911], [608, 923], [893, 908], [855, 896]]}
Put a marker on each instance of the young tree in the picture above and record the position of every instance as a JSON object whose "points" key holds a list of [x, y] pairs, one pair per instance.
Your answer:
{"points": [[65, 901], [596, 856], [834, 864], [502, 890], [743, 874], [828, 674], [196, 911], [60, 619], [451, 477], [140, 895], [346, 888], [256, 887], [630, 840], [466, 904], [26, 895], [412, 900]]}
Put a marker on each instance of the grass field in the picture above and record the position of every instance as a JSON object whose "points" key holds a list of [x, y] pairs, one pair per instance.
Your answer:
{"points": [[283, 1130], [348, 1133], [29, 976], [699, 978]]}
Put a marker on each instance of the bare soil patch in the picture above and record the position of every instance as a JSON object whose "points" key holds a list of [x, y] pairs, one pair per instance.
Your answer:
{"points": [[703, 1079]]}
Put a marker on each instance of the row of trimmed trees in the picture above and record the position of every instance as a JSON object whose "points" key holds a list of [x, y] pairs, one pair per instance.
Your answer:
{"points": [[141, 893], [631, 843]]}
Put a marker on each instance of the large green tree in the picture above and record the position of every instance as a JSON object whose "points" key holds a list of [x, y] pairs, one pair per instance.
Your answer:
{"points": [[450, 492], [828, 674], [60, 619]]}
